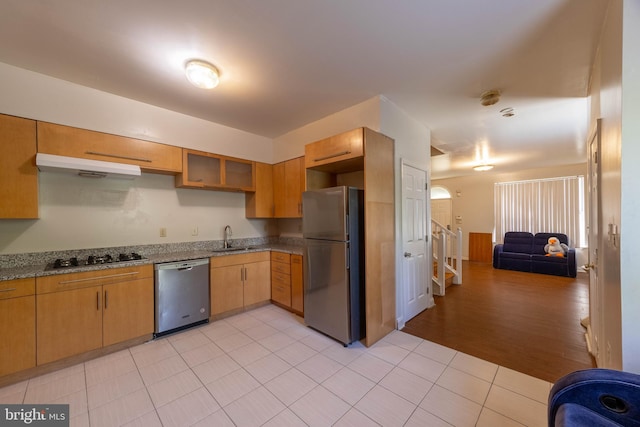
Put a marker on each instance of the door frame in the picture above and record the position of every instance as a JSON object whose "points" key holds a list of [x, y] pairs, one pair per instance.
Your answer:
{"points": [[401, 308], [596, 294]]}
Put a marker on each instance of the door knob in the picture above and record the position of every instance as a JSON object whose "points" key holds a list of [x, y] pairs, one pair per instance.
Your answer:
{"points": [[588, 266], [407, 254]]}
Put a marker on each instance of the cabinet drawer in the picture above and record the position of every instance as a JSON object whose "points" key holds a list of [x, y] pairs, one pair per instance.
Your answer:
{"points": [[17, 288], [281, 279], [64, 282], [281, 293], [338, 148], [280, 267], [280, 257]]}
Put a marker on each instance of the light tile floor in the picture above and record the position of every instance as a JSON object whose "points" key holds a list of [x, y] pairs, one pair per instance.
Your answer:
{"points": [[264, 367]]}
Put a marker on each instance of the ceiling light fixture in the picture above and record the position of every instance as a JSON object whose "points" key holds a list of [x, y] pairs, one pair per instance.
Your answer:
{"points": [[482, 168], [202, 74], [490, 97]]}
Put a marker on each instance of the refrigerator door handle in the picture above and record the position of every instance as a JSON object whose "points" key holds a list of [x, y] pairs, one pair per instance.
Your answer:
{"points": [[346, 257]]}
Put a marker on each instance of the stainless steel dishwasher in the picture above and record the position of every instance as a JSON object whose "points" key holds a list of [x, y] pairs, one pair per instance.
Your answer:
{"points": [[182, 295]]}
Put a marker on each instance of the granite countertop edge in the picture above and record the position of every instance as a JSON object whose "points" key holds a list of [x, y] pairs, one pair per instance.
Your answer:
{"points": [[41, 270]]}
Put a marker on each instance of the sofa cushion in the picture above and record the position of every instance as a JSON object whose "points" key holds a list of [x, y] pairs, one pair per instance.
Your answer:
{"points": [[518, 241], [515, 255], [540, 240], [549, 259]]}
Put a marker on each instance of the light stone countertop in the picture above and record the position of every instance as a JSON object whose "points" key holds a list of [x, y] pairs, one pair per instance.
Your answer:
{"points": [[39, 270]]}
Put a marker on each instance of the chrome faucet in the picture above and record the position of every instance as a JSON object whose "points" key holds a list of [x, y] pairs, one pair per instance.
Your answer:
{"points": [[227, 233]]}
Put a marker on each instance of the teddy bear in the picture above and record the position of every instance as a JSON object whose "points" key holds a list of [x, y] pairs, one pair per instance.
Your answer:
{"points": [[555, 248]]}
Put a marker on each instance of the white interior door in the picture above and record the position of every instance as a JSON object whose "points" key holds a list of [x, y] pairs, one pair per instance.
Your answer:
{"points": [[596, 297], [416, 280], [442, 212]]}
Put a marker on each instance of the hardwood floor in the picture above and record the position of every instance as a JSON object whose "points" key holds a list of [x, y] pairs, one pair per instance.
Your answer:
{"points": [[524, 321]]}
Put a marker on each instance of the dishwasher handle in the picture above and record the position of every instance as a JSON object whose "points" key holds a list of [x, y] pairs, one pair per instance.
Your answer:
{"points": [[182, 265]]}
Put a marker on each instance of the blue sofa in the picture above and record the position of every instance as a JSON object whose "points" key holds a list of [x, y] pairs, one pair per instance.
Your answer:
{"points": [[522, 251]]}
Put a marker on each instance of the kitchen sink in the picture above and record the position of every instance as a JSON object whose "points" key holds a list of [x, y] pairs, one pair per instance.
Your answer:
{"points": [[234, 249]]}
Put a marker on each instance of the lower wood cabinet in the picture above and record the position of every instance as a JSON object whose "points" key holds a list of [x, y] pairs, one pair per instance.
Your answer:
{"points": [[297, 284], [281, 278], [239, 281], [17, 325], [79, 312], [287, 281]]}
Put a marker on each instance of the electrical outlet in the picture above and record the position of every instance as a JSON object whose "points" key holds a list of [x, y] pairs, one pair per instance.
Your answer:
{"points": [[194, 231], [163, 232]]}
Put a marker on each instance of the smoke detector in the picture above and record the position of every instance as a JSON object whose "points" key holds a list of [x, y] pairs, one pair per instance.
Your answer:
{"points": [[490, 97]]}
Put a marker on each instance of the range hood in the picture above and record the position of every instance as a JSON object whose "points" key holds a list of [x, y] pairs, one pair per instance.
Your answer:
{"points": [[85, 167]]}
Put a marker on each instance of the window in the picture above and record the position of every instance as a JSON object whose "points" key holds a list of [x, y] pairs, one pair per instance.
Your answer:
{"points": [[554, 205], [438, 192]]}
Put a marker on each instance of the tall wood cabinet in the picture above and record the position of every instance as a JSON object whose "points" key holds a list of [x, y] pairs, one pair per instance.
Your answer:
{"points": [[365, 159], [18, 172], [297, 284], [17, 325], [79, 312], [239, 281]]}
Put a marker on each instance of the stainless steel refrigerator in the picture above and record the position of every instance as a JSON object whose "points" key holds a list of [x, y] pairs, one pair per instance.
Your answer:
{"points": [[332, 227]]}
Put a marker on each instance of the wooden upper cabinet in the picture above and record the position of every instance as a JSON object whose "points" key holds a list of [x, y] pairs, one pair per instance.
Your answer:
{"points": [[211, 171], [259, 204], [345, 150], [18, 172], [74, 142], [288, 186]]}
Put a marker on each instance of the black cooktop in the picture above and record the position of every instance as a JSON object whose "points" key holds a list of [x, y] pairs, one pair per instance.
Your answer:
{"points": [[93, 260]]}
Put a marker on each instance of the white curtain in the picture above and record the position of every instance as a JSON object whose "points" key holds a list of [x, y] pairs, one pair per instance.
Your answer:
{"points": [[554, 205]]}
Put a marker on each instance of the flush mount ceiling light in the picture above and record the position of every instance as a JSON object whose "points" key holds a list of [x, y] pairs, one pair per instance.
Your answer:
{"points": [[482, 168], [202, 74], [490, 97]]}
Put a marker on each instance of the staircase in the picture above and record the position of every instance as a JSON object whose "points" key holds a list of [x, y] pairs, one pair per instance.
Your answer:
{"points": [[447, 257]]}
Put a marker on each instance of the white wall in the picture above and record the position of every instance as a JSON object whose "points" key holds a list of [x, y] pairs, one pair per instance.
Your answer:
{"points": [[412, 144], [475, 203], [79, 214], [630, 215]]}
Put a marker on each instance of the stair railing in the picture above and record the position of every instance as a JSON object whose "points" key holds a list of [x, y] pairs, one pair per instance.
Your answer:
{"points": [[447, 255]]}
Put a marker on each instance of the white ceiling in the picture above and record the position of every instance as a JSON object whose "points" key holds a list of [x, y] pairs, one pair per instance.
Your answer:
{"points": [[286, 63]]}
